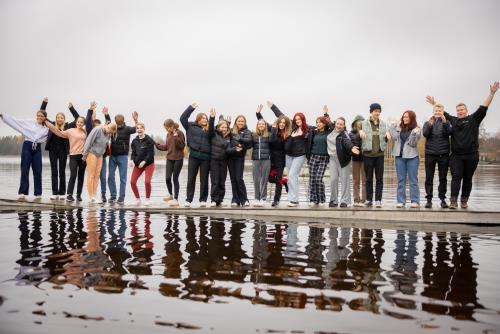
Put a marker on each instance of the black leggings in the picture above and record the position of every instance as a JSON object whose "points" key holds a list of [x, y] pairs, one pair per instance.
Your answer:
{"points": [[236, 167], [173, 169], [195, 165], [58, 171], [77, 168]]}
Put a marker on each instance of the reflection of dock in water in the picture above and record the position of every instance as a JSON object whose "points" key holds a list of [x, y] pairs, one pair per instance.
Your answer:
{"points": [[302, 213]]}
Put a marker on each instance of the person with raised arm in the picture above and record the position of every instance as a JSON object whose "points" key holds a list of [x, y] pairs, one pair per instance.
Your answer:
{"points": [[318, 158], [436, 131], [280, 130], [464, 156], [220, 146], [119, 150], [35, 133], [374, 136], [174, 145], [93, 151], [58, 148], [405, 137], [241, 141], [261, 159], [296, 149], [340, 149], [76, 137], [198, 141], [142, 159]]}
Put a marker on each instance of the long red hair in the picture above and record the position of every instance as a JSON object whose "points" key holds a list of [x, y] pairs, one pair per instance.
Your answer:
{"points": [[413, 121], [304, 126]]}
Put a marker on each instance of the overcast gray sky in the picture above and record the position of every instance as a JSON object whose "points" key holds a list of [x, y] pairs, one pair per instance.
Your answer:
{"points": [[157, 57]]}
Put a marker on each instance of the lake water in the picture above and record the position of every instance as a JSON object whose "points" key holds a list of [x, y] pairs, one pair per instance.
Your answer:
{"points": [[486, 185], [93, 271]]}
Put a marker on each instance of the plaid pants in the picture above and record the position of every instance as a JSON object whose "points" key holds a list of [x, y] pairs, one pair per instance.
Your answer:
{"points": [[317, 168]]}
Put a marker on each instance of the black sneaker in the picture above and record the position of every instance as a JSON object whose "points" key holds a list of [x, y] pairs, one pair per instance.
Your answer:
{"points": [[103, 198], [368, 204], [444, 205], [69, 198], [120, 201], [275, 204], [428, 205], [78, 198], [112, 199], [332, 205], [343, 205]]}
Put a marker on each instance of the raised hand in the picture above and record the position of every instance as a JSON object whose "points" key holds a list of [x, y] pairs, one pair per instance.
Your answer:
{"points": [[105, 111], [70, 105], [46, 99], [270, 104], [194, 105], [325, 109], [93, 105], [135, 116], [355, 150], [430, 99], [212, 112], [228, 119], [259, 108], [494, 87]]}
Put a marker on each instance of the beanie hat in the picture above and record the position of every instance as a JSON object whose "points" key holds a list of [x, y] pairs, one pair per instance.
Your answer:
{"points": [[357, 118], [374, 106]]}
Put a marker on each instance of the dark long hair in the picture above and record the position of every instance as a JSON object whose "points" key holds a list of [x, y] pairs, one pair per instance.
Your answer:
{"points": [[413, 121]]}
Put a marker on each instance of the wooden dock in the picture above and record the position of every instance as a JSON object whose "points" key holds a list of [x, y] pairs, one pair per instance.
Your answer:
{"points": [[301, 213]]}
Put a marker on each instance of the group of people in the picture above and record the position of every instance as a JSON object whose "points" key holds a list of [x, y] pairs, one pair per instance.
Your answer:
{"points": [[218, 147]]}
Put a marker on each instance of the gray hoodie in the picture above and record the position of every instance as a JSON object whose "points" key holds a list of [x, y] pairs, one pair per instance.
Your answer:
{"points": [[96, 142]]}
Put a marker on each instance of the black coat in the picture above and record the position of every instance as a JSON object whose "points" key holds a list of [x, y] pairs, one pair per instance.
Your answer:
{"points": [[197, 138], [261, 149], [277, 148], [356, 141], [437, 137], [243, 138], [343, 146], [120, 144], [219, 143], [56, 143], [143, 150]]}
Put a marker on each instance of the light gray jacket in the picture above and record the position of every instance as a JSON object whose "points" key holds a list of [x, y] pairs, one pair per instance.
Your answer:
{"points": [[96, 142], [410, 149], [366, 144]]}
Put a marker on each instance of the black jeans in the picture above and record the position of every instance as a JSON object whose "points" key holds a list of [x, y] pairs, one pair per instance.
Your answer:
{"points": [[277, 181], [195, 164], [236, 166], [462, 167], [58, 171], [77, 169], [173, 169], [218, 175], [374, 164], [442, 161]]}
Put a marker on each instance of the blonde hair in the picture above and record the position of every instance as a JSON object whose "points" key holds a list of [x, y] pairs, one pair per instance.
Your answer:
{"points": [[60, 127], [234, 130], [438, 105], [140, 124], [112, 127], [264, 133]]}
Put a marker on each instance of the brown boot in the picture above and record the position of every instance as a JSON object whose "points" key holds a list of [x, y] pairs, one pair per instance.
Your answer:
{"points": [[453, 203], [463, 202]]}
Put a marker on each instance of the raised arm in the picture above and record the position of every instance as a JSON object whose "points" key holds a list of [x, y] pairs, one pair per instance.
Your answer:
{"points": [[73, 111], [44, 103], [274, 108], [107, 118], [55, 130], [90, 117], [491, 95], [185, 115], [17, 124], [211, 123]]}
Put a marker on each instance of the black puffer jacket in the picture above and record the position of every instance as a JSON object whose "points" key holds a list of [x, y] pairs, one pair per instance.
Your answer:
{"points": [[243, 138], [437, 137], [356, 141], [143, 150], [277, 147], [120, 144], [220, 144], [343, 146], [261, 149], [197, 138]]}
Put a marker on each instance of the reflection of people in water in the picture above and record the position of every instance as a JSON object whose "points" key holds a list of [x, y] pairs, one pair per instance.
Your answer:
{"points": [[450, 274], [334, 273], [142, 246], [113, 239]]}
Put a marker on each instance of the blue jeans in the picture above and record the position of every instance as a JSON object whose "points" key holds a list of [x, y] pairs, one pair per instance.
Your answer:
{"points": [[120, 161], [102, 177], [294, 165], [404, 168], [31, 157]]}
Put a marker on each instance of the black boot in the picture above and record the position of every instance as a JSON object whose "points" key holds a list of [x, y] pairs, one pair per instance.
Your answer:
{"points": [[428, 205], [444, 205]]}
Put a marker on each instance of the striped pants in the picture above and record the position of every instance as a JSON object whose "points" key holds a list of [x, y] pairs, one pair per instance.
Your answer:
{"points": [[317, 168]]}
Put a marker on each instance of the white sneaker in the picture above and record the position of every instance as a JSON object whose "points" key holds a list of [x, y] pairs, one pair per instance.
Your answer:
{"points": [[137, 201], [213, 204], [291, 204], [98, 200], [54, 197], [233, 205], [312, 204], [92, 200], [378, 204], [247, 204], [203, 204], [37, 198], [168, 198], [400, 205], [257, 204], [415, 205], [147, 202], [262, 203], [187, 204], [21, 197], [173, 202]]}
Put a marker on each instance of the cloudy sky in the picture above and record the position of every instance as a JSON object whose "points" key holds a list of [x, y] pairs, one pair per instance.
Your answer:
{"points": [[157, 57]]}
